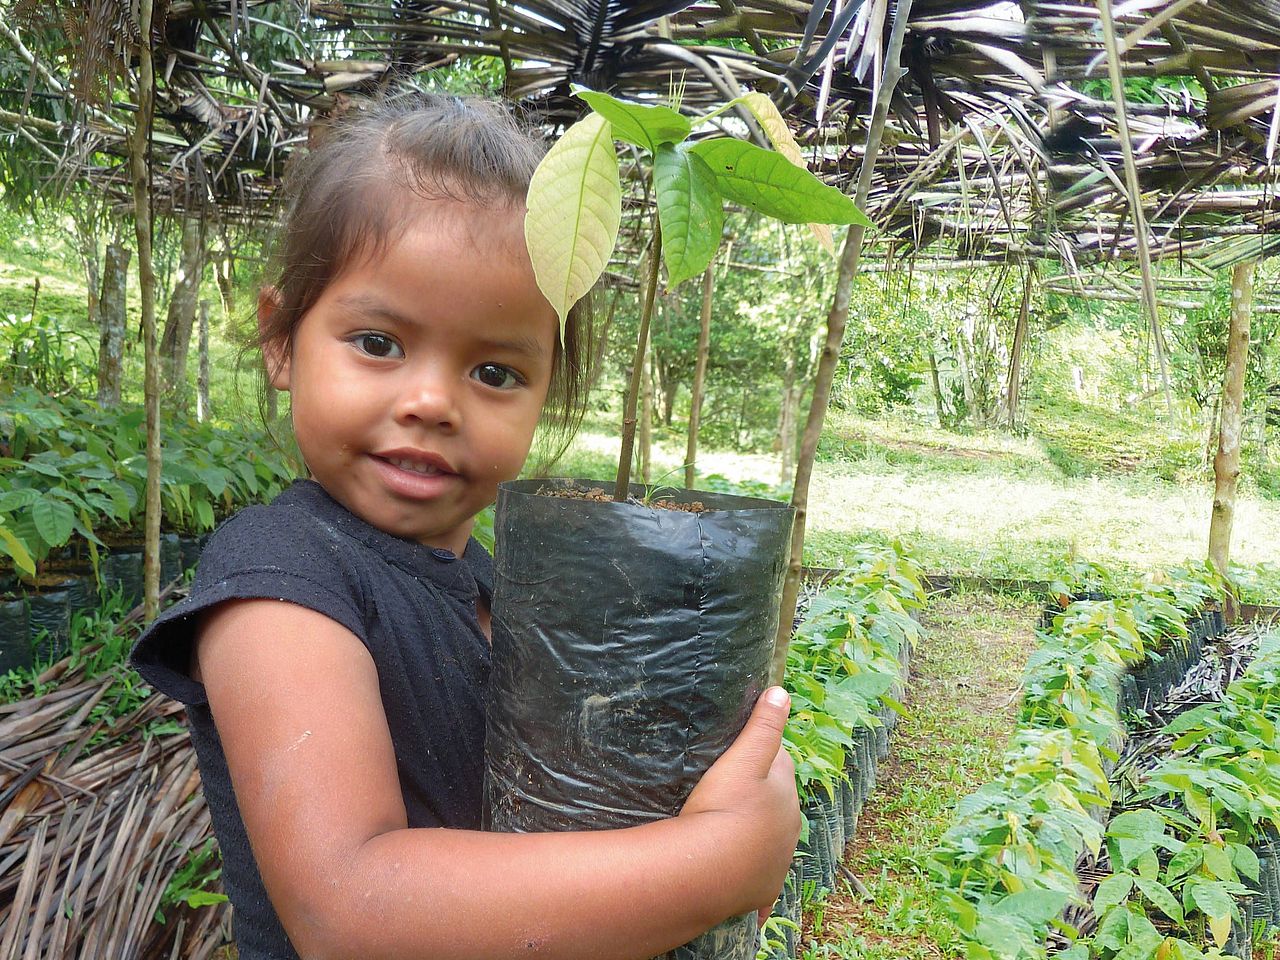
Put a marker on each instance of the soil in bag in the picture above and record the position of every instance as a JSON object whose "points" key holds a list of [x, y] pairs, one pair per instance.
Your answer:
{"points": [[629, 647]]}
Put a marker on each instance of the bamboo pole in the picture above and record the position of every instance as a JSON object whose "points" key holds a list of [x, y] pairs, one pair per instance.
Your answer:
{"points": [[140, 175], [1226, 464], [699, 377], [837, 317], [1135, 197]]}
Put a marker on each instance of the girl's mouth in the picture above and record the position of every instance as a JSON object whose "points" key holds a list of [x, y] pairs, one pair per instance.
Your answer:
{"points": [[417, 477], [426, 469]]}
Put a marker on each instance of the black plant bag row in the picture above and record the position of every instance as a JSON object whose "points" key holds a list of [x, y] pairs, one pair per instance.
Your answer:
{"points": [[1149, 684], [833, 821], [35, 625]]}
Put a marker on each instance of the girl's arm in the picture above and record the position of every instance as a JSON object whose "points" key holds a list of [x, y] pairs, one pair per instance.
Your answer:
{"points": [[295, 699]]}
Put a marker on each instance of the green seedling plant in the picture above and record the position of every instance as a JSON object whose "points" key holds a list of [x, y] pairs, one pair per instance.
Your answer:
{"points": [[575, 204], [76, 472], [1006, 867]]}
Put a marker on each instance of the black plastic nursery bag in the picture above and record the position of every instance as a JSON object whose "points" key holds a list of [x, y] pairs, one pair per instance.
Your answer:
{"points": [[629, 647]]}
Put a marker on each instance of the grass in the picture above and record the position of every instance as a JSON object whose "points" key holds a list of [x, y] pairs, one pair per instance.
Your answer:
{"points": [[988, 504], [961, 703]]}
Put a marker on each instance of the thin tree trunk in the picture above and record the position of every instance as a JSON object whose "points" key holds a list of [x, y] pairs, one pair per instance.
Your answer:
{"points": [[1226, 465], [202, 373], [1014, 389], [637, 367], [176, 340], [140, 175], [86, 233], [937, 388], [646, 419], [837, 317], [699, 378], [111, 317]]}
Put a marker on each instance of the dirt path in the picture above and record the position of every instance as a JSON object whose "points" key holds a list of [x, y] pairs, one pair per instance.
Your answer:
{"points": [[962, 703]]}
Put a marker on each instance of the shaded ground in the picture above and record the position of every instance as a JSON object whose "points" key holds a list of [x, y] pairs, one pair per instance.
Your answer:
{"points": [[962, 703]]}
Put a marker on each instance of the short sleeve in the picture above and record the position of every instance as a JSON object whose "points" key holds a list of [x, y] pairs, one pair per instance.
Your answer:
{"points": [[274, 552]]}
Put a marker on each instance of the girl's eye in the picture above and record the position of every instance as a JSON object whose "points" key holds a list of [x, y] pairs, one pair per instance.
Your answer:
{"points": [[377, 345], [496, 375]]}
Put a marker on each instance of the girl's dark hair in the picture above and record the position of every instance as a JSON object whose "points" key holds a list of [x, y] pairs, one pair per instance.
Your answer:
{"points": [[344, 199]]}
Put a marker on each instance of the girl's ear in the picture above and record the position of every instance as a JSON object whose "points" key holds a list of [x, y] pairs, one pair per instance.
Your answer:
{"points": [[275, 346]]}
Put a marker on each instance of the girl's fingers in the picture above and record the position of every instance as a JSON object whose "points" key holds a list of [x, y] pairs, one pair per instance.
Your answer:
{"points": [[761, 739]]}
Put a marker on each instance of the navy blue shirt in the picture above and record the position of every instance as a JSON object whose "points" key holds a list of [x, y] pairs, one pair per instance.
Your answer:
{"points": [[413, 607]]}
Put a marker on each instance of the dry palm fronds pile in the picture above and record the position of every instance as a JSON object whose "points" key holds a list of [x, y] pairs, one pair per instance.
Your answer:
{"points": [[100, 814]]}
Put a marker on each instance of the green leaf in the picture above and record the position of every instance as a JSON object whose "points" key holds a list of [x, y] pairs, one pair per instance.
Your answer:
{"points": [[775, 127], [204, 514], [1111, 891], [770, 183], [48, 469], [574, 209], [1245, 861], [1034, 906], [54, 520], [17, 551], [1138, 825], [1192, 718], [1210, 899], [690, 211], [1159, 894], [204, 898], [1218, 862], [18, 499], [645, 126]]}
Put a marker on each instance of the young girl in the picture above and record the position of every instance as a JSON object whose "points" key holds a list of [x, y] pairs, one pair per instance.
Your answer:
{"points": [[333, 654]]}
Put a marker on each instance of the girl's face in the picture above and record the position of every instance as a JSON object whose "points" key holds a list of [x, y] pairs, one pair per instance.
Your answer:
{"points": [[418, 376]]}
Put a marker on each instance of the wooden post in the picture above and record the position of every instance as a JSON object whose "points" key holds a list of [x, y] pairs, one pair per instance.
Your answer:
{"points": [[140, 175], [1014, 388], [699, 378], [1226, 465], [937, 388], [837, 317], [202, 373]]}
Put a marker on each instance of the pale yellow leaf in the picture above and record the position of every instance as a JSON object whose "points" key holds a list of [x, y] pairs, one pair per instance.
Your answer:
{"points": [[574, 209], [779, 134], [1221, 929]]}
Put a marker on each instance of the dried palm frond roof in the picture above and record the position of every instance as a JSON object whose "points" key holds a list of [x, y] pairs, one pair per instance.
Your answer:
{"points": [[1003, 140]]}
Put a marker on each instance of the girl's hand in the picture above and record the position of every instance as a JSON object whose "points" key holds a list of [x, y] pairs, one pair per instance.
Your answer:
{"points": [[750, 794]]}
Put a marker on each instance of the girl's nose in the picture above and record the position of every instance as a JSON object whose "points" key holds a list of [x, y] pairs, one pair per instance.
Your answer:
{"points": [[430, 399]]}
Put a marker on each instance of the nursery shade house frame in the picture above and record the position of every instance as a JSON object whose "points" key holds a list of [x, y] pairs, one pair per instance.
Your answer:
{"points": [[989, 140]]}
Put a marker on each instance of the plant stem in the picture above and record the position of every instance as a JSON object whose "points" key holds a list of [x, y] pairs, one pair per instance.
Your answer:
{"points": [[699, 376], [637, 367]]}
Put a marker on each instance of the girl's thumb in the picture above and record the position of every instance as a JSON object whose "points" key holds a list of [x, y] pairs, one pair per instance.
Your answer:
{"points": [[762, 736]]}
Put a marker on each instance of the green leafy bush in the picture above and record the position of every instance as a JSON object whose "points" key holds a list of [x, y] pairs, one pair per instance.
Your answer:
{"points": [[72, 469]]}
